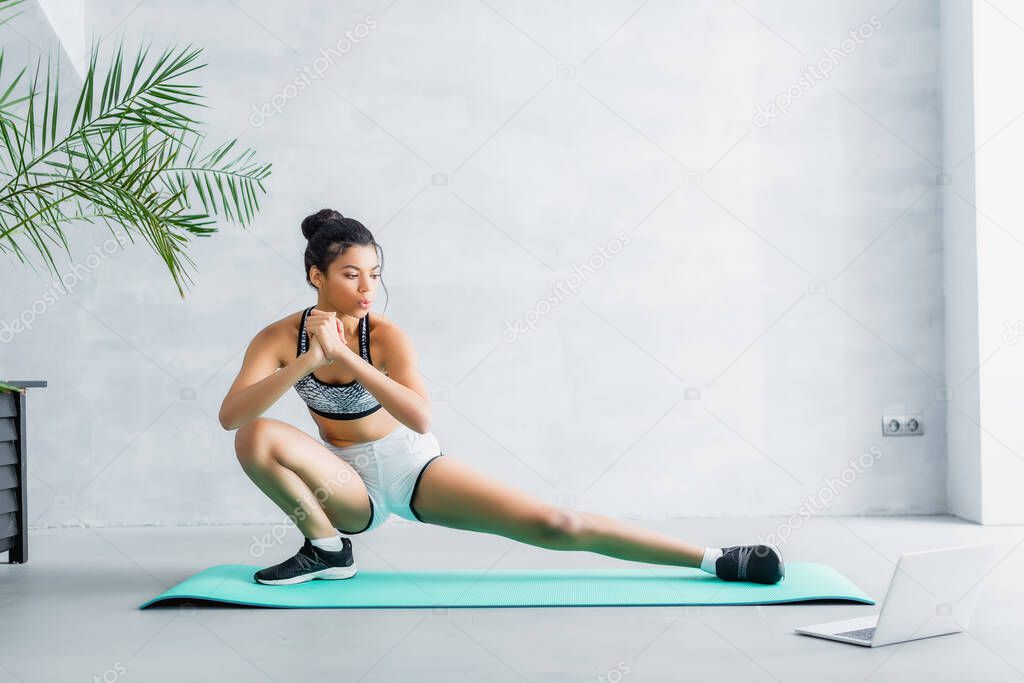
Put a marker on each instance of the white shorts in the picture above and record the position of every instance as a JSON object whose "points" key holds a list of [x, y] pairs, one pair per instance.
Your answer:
{"points": [[390, 467]]}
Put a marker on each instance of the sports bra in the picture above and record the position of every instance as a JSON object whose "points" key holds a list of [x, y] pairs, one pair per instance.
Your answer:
{"points": [[348, 401]]}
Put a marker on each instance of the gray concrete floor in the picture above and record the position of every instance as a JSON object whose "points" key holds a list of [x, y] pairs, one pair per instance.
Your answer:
{"points": [[71, 613]]}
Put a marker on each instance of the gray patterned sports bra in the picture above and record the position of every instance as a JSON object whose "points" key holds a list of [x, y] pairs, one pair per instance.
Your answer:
{"points": [[348, 401]]}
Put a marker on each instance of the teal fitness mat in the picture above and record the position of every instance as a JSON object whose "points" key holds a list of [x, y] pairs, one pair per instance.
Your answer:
{"points": [[649, 585]]}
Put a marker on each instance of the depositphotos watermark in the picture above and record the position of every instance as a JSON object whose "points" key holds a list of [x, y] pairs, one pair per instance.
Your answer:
{"points": [[580, 272], [1013, 332], [112, 674], [824, 495], [812, 74], [307, 73], [615, 674], [64, 286]]}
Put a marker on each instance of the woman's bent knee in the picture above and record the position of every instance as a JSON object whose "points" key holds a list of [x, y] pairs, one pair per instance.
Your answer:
{"points": [[252, 441]]}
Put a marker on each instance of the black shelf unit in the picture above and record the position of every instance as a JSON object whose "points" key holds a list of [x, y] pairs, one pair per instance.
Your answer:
{"points": [[14, 471]]}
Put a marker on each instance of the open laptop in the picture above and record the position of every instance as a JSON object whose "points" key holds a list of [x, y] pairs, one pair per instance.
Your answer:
{"points": [[932, 593]]}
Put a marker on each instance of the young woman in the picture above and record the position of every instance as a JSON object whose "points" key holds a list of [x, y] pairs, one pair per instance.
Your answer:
{"points": [[376, 455]]}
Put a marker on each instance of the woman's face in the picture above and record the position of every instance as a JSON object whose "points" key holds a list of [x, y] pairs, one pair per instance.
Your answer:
{"points": [[352, 281]]}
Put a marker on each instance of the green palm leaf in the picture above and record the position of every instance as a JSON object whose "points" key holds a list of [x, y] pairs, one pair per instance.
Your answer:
{"points": [[4, 386], [131, 156]]}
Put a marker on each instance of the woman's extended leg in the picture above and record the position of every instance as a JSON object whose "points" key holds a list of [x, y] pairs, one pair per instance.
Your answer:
{"points": [[453, 494], [318, 491]]}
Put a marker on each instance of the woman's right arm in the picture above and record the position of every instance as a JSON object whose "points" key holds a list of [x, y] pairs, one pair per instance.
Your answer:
{"points": [[262, 380]]}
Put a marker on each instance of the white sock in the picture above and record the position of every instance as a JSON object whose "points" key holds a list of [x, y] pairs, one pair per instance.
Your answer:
{"points": [[710, 556], [331, 543]]}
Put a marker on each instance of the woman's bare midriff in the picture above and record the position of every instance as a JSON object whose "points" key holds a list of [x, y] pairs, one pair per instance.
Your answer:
{"points": [[341, 433]]}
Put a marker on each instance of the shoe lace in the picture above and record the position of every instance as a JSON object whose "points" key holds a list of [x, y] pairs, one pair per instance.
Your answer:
{"points": [[304, 558], [743, 554]]}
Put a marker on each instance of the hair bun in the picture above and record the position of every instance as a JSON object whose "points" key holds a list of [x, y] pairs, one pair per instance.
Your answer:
{"points": [[313, 223]]}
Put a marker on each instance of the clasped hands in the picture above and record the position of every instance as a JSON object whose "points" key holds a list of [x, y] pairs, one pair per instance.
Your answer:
{"points": [[329, 333]]}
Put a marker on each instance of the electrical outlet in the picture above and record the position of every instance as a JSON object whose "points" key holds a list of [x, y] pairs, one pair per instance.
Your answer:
{"points": [[902, 425]]}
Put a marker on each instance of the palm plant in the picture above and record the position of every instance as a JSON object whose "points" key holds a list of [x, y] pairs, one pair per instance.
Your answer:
{"points": [[130, 156]]}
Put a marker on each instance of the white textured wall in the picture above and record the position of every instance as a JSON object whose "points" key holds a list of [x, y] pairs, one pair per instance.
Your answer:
{"points": [[961, 260], [789, 274], [999, 103], [982, 205]]}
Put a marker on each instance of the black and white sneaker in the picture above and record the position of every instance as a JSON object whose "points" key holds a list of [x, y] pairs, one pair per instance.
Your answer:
{"points": [[310, 563], [756, 563]]}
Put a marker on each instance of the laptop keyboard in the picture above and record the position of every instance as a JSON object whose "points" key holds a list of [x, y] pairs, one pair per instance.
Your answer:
{"points": [[859, 634]]}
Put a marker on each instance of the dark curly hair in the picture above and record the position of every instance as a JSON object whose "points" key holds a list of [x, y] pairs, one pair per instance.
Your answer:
{"points": [[329, 235]]}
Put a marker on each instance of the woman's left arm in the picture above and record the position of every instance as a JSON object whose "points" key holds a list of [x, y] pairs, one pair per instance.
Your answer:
{"points": [[401, 391]]}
